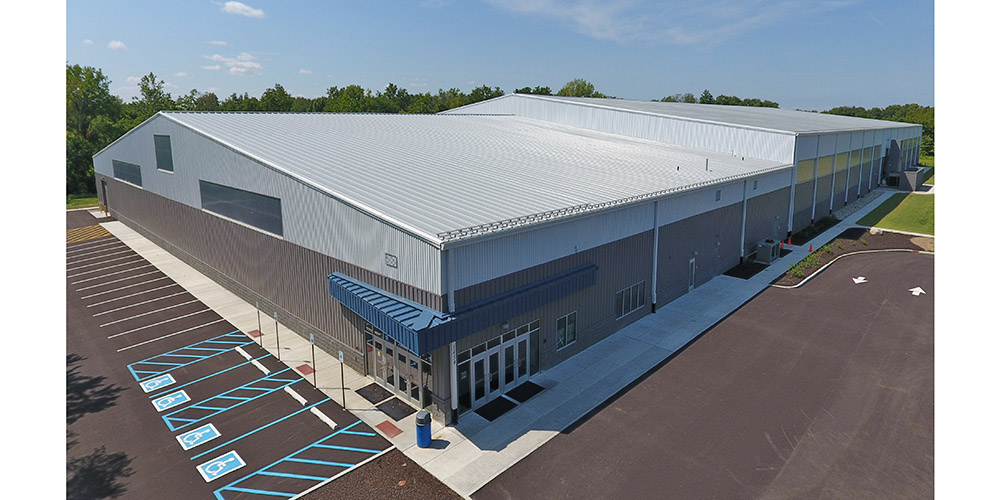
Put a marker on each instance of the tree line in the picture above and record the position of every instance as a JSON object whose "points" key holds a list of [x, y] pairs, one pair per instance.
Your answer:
{"points": [[95, 117], [908, 113]]}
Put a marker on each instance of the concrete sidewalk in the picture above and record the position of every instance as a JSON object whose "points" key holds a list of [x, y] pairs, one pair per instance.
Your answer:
{"points": [[469, 455]]}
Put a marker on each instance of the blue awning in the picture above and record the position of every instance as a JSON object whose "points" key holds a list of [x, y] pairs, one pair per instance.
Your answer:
{"points": [[421, 329]]}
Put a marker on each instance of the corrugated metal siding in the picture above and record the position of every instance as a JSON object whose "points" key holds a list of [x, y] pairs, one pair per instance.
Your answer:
{"points": [[620, 264], [823, 185], [285, 277], [803, 205], [854, 183], [767, 183], [767, 217], [311, 219], [679, 241]]}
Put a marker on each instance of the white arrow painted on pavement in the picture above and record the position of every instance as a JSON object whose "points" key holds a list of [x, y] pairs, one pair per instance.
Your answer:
{"points": [[859, 279], [917, 291]]}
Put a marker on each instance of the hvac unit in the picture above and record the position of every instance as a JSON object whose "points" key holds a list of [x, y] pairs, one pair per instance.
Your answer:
{"points": [[767, 251]]}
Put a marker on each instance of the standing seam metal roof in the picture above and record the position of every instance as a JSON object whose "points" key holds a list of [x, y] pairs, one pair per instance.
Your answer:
{"points": [[770, 119], [453, 176]]}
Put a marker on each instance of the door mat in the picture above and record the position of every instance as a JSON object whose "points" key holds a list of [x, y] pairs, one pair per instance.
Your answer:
{"points": [[525, 391], [374, 393], [396, 409], [492, 410]]}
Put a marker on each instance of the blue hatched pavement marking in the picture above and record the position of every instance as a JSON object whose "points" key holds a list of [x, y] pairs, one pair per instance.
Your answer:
{"points": [[216, 373], [231, 441], [170, 418], [143, 374], [341, 467]]}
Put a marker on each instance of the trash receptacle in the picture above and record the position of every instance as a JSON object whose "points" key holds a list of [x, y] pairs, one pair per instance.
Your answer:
{"points": [[423, 429]]}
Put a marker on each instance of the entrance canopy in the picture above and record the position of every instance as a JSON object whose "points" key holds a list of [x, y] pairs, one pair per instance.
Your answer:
{"points": [[421, 329]]}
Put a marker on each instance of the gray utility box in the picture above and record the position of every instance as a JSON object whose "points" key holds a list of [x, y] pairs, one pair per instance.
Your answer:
{"points": [[767, 251]]}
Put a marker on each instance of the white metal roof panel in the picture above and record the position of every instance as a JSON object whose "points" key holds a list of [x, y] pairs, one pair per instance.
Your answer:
{"points": [[773, 119], [440, 175]]}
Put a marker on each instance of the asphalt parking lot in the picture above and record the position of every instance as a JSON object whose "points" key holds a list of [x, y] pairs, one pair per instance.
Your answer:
{"points": [[166, 399], [825, 391]]}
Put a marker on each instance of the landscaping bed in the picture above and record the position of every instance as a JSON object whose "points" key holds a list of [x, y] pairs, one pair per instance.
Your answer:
{"points": [[814, 230], [852, 240]]}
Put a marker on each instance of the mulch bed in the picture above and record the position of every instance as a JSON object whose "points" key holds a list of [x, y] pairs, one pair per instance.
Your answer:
{"points": [[850, 241], [746, 269], [396, 409], [392, 476]]}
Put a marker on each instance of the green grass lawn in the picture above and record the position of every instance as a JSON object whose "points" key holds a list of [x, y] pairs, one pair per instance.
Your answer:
{"points": [[73, 202], [904, 212]]}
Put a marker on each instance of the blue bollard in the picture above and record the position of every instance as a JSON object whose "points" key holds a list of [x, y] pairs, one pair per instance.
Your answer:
{"points": [[423, 429]]}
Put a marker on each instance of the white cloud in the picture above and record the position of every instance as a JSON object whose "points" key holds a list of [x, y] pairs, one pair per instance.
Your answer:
{"points": [[133, 79], [242, 9], [88, 42], [116, 45], [212, 68], [181, 74], [220, 43], [242, 64], [170, 85], [681, 22], [305, 72]]}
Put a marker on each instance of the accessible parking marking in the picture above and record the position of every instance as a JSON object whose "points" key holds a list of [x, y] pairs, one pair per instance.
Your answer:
{"points": [[198, 436], [157, 383], [226, 401], [187, 355], [218, 467], [171, 400]]}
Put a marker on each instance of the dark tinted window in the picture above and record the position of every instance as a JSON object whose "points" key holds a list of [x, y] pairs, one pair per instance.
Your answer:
{"points": [[257, 210], [164, 158], [127, 172]]}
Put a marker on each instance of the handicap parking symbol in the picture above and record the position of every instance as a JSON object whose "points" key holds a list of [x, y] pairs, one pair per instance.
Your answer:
{"points": [[171, 400], [198, 436], [157, 383], [220, 466]]}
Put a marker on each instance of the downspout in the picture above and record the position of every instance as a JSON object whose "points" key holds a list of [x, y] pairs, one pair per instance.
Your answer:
{"points": [[656, 249], [743, 226]]}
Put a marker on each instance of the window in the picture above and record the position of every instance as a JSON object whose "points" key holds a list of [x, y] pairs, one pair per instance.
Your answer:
{"points": [[128, 172], [630, 299], [257, 210], [755, 184], [718, 194], [566, 330], [164, 158]]}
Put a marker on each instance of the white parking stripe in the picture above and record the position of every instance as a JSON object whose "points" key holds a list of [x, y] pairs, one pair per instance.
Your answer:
{"points": [[95, 252], [103, 245], [99, 257], [68, 269], [139, 303], [109, 267], [83, 244], [150, 312], [156, 324], [169, 335], [117, 280], [109, 274], [133, 295], [124, 287]]}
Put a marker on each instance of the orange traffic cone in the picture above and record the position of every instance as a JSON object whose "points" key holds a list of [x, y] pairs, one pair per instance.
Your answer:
{"points": [[810, 248], [782, 245]]}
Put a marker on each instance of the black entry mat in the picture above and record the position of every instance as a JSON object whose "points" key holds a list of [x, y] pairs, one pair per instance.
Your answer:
{"points": [[492, 410], [525, 391], [373, 393], [396, 409]]}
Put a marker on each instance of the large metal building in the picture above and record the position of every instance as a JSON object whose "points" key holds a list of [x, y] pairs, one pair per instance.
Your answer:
{"points": [[454, 256]]}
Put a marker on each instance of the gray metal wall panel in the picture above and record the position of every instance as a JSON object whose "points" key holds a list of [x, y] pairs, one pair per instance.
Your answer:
{"points": [[284, 277], [767, 217], [827, 144], [852, 186], [839, 189], [311, 219], [805, 147], [620, 264], [769, 182], [803, 205], [823, 196], [679, 242]]}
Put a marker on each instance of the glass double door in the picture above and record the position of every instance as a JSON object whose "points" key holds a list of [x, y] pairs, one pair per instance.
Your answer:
{"points": [[498, 370], [399, 370]]}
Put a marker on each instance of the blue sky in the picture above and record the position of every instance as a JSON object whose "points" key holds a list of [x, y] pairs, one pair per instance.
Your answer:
{"points": [[803, 54]]}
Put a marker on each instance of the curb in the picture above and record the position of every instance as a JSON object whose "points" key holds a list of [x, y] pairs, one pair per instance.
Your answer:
{"points": [[807, 278]]}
